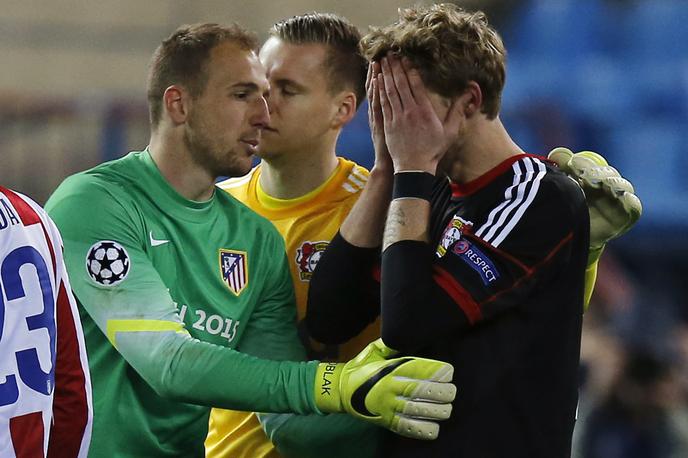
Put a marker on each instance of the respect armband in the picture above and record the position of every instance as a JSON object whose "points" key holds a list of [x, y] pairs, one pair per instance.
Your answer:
{"points": [[413, 185]]}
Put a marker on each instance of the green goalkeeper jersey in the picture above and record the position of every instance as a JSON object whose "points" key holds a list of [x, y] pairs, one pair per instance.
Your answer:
{"points": [[174, 296]]}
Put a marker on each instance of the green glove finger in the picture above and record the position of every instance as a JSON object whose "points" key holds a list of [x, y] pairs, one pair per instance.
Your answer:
{"points": [[598, 159], [561, 156], [594, 177], [623, 198], [633, 207], [427, 410], [617, 185], [432, 391], [421, 380], [426, 369], [416, 429]]}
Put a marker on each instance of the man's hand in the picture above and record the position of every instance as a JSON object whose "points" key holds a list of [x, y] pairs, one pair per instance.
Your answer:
{"points": [[407, 395], [383, 162], [416, 136], [614, 207]]}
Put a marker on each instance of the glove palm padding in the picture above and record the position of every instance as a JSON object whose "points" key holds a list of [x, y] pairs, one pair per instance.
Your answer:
{"points": [[406, 395]]}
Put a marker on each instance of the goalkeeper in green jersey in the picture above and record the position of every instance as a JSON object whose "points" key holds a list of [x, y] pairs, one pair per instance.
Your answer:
{"points": [[178, 283]]}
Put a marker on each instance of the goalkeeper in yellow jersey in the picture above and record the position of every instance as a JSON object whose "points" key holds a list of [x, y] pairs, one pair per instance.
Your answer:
{"points": [[317, 82]]}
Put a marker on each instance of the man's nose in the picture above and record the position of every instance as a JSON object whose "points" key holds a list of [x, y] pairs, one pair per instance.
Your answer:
{"points": [[261, 117]]}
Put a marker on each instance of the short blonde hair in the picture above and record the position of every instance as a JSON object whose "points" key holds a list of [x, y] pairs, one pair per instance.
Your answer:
{"points": [[182, 58], [344, 65], [449, 46]]}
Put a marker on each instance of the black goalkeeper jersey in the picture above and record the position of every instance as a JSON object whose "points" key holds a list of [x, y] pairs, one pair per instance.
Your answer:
{"points": [[499, 294]]}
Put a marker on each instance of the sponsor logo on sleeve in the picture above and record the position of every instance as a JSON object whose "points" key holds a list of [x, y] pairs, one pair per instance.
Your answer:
{"points": [[476, 260], [234, 269], [307, 257], [107, 263], [453, 232]]}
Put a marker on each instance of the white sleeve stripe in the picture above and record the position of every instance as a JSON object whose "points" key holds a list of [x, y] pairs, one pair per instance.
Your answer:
{"points": [[359, 174], [513, 205], [353, 180], [350, 188], [522, 209], [508, 196], [510, 211]]}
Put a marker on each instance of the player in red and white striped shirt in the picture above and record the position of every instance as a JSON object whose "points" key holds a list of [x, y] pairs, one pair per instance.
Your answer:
{"points": [[45, 387]]}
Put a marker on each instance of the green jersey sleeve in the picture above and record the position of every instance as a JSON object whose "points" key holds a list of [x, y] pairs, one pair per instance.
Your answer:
{"points": [[120, 289], [315, 436]]}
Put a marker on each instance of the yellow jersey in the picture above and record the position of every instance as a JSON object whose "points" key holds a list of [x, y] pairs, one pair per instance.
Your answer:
{"points": [[307, 223]]}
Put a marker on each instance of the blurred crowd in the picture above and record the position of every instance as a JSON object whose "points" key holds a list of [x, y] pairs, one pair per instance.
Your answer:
{"points": [[634, 371], [612, 76]]}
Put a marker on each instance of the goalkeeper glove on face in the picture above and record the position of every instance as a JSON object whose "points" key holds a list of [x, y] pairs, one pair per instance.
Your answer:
{"points": [[614, 208], [406, 395]]}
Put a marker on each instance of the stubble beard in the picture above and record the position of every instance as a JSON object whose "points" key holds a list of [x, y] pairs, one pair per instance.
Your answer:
{"points": [[208, 157]]}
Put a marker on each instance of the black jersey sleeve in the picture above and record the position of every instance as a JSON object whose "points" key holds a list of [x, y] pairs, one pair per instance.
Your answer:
{"points": [[344, 293], [478, 272]]}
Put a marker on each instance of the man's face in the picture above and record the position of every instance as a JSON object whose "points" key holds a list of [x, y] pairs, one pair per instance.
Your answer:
{"points": [[224, 123], [441, 105], [302, 107]]}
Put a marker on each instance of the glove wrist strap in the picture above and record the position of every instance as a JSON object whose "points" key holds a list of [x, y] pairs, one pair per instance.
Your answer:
{"points": [[326, 388]]}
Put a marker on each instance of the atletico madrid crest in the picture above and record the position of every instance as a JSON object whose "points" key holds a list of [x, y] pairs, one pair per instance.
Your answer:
{"points": [[234, 268]]}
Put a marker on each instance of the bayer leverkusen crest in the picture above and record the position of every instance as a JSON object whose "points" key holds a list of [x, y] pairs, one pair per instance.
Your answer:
{"points": [[308, 256], [234, 269]]}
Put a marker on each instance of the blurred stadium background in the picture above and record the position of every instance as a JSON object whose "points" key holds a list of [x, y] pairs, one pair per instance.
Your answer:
{"points": [[606, 75]]}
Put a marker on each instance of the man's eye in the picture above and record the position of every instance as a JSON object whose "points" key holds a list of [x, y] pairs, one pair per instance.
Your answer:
{"points": [[241, 95], [288, 92]]}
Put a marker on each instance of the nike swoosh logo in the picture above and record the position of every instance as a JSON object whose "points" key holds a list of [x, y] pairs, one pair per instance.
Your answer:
{"points": [[156, 242], [359, 395]]}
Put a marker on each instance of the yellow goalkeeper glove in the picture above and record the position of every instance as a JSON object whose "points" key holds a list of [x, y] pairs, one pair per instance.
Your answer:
{"points": [[406, 395], [614, 208]]}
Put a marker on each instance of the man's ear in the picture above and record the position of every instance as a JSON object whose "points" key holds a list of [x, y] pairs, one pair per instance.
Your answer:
{"points": [[471, 99], [176, 102], [346, 109]]}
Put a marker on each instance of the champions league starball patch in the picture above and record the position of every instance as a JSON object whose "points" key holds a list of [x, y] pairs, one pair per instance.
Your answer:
{"points": [[107, 263], [307, 258], [234, 269]]}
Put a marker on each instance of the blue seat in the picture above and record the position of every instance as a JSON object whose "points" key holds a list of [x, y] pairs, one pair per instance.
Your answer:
{"points": [[652, 154], [601, 90], [562, 29], [656, 30]]}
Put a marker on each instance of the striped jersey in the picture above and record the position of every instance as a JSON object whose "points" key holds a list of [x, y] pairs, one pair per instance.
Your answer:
{"points": [[307, 223], [45, 396], [502, 300]]}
